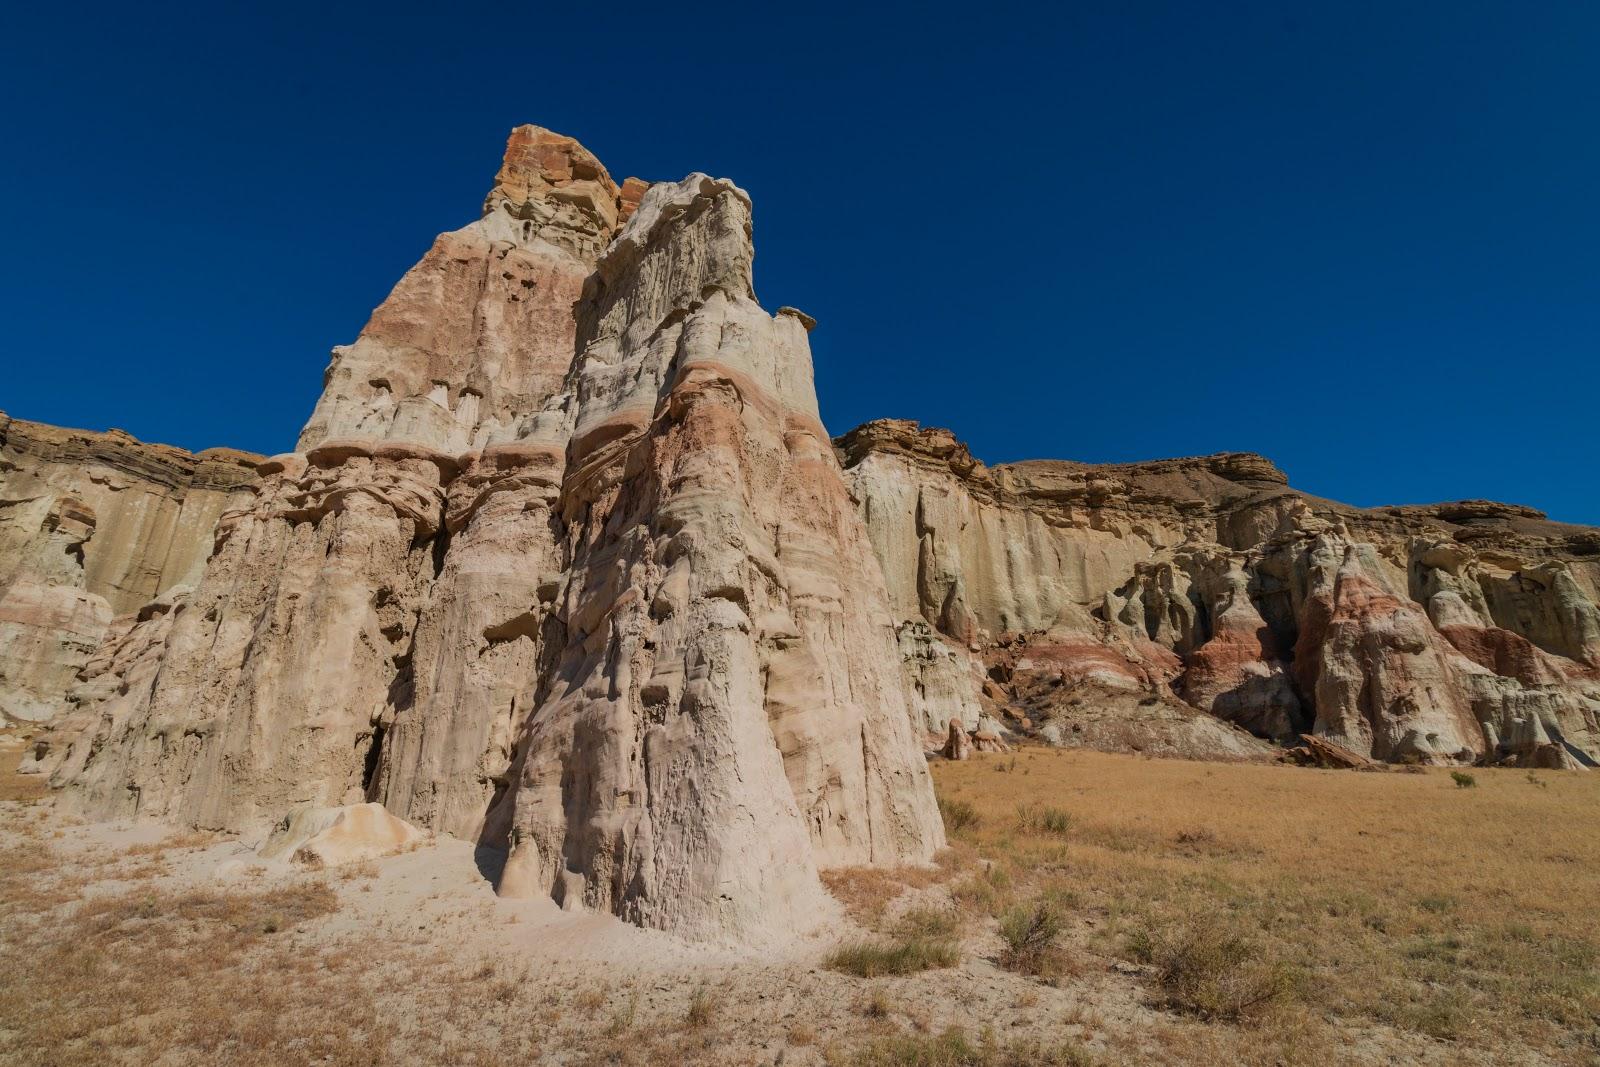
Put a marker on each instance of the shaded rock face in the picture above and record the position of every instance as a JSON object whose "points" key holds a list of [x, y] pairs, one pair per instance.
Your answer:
{"points": [[564, 563], [92, 526], [1114, 603]]}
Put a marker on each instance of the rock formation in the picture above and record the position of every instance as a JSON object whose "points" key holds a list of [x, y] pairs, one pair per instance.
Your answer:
{"points": [[1113, 604], [333, 837], [565, 563], [93, 526]]}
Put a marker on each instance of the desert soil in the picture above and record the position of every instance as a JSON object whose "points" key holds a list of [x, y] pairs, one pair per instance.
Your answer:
{"points": [[1373, 918]]}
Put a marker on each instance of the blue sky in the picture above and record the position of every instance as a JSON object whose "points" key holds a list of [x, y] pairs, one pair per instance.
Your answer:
{"points": [[1362, 239]]}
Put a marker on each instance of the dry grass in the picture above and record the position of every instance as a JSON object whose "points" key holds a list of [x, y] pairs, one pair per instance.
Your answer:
{"points": [[1179, 913], [875, 959], [953, 1048], [867, 892], [1265, 893], [20, 788], [1208, 968], [703, 1008]]}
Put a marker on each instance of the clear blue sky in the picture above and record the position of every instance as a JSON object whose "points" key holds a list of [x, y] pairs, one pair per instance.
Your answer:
{"points": [[1362, 239]]}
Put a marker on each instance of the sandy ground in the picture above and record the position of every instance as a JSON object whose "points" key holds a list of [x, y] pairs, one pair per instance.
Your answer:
{"points": [[594, 989]]}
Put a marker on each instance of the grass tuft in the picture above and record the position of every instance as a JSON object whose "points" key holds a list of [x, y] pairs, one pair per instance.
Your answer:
{"points": [[1204, 967], [1031, 934], [877, 959], [1036, 818], [958, 815], [953, 1048]]}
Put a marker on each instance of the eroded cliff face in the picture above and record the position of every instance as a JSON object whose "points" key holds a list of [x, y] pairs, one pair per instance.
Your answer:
{"points": [[564, 563], [1154, 591], [92, 527]]}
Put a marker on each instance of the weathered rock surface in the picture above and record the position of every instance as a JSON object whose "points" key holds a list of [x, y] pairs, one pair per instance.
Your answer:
{"points": [[92, 526], [332, 837], [1444, 633], [565, 563]]}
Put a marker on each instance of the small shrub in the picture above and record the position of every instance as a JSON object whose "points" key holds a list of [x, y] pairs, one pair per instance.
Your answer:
{"points": [[1463, 780], [702, 1009], [1043, 819], [877, 1005], [986, 891], [875, 959], [1031, 933], [1204, 968], [958, 814]]}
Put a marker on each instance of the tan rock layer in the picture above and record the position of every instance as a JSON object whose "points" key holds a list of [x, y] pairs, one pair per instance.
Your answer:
{"points": [[1447, 633], [592, 587]]}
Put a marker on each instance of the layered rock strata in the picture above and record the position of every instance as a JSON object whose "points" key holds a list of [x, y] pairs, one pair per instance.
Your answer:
{"points": [[564, 563], [92, 527], [1113, 603]]}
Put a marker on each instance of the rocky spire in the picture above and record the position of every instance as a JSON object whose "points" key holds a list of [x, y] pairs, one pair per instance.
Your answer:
{"points": [[565, 564]]}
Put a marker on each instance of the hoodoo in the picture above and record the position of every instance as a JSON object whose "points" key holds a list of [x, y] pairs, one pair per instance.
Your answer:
{"points": [[564, 563]]}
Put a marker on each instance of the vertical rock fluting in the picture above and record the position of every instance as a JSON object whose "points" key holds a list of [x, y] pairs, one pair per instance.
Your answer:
{"points": [[615, 612], [1447, 633], [300, 645], [727, 712]]}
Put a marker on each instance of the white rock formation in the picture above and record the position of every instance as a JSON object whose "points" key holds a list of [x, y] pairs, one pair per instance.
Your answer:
{"points": [[566, 564]]}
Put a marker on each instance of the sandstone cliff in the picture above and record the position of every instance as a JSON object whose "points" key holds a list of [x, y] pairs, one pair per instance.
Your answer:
{"points": [[564, 563], [1113, 602], [93, 526]]}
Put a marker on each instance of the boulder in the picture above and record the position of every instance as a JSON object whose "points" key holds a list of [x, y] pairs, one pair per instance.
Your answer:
{"points": [[332, 837]]}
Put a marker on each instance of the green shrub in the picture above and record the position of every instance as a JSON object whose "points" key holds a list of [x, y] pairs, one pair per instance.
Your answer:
{"points": [[1463, 780], [1031, 933]]}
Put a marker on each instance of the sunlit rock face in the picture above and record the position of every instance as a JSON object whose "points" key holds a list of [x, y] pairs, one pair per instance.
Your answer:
{"points": [[1113, 603], [564, 563], [93, 526]]}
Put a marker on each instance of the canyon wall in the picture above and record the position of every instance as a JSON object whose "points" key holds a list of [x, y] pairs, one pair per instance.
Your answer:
{"points": [[1109, 604], [564, 563], [92, 527]]}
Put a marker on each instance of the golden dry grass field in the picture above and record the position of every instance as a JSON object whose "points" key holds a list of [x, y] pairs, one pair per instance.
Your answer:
{"points": [[1093, 909], [1462, 912]]}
